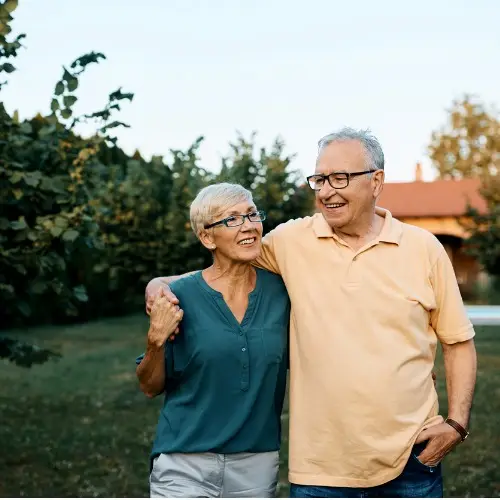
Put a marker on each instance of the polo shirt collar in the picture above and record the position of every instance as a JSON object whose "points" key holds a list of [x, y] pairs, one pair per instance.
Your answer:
{"points": [[391, 230]]}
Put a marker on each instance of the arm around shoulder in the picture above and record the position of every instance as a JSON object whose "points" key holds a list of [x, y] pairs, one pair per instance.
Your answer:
{"points": [[272, 243], [158, 284]]}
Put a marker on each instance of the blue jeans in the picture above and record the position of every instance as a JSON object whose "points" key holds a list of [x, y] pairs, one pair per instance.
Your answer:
{"points": [[416, 481]]}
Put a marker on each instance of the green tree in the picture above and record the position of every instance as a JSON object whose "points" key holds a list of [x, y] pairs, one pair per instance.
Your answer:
{"points": [[84, 226], [469, 147], [276, 188], [18, 352], [469, 144], [47, 178], [132, 212], [282, 191], [184, 249]]}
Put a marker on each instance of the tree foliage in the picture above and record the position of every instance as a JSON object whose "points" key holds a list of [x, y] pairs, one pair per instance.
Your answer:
{"points": [[469, 147], [84, 226], [469, 144], [48, 177], [24, 354]]}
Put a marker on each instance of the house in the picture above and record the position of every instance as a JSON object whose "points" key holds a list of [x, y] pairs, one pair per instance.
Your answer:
{"points": [[438, 206]]}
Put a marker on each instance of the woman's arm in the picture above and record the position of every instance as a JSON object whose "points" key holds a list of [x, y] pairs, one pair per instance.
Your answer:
{"points": [[164, 320], [151, 371]]}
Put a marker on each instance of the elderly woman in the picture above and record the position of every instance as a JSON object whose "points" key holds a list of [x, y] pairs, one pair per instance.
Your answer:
{"points": [[224, 374]]}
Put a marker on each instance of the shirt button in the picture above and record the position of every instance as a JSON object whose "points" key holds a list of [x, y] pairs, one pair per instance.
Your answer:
{"points": [[243, 349], [241, 333], [245, 366]]}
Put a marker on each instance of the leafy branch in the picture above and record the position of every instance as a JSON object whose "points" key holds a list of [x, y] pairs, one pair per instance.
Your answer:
{"points": [[23, 354]]}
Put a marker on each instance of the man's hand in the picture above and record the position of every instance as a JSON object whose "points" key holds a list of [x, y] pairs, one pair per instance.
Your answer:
{"points": [[153, 290], [442, 438], [165, 318]]}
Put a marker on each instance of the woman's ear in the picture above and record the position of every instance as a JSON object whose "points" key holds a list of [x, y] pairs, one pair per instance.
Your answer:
{"points": [[207, 240]]}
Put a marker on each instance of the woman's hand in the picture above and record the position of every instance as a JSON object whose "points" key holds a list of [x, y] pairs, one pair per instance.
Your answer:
{"points": [[164, 320]]}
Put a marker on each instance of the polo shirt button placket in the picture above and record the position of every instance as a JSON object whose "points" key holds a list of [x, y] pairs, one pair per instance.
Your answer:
{"points": [[352, 273]]}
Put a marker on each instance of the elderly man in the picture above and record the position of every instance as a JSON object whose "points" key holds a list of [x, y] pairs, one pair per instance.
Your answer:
{"points": [[371, 298]]}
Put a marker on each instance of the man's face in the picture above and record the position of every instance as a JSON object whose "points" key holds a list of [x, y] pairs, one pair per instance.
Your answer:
{"points": [[344, 208]]}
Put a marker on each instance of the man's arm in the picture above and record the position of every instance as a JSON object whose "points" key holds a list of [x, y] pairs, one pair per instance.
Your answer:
{"points": [[460, 364], [267, 260], [168, 280], [162, 283], [455, 332]]}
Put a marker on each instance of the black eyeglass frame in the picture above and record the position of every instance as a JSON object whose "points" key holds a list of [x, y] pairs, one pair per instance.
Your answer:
{"points": [[348, 176], [259, 213]]}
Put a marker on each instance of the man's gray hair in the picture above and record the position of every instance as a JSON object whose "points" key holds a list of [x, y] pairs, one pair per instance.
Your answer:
{"points": [[374, 153]]}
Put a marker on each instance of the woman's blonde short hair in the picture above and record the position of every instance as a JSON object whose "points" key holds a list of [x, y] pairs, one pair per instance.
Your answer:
{"points": [[212, 201]]}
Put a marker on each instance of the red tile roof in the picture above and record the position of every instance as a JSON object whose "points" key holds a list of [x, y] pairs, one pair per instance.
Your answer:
{"points": [[440, 198]]}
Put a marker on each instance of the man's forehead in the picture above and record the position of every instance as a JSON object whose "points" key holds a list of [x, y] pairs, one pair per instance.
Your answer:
{"points": [[345, 156]]}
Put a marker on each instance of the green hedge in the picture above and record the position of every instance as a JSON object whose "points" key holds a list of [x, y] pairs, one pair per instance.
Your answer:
{"points": [[84, 226]]}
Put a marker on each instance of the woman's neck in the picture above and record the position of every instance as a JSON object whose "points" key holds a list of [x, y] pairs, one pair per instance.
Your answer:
{"points": [[231, 278]]}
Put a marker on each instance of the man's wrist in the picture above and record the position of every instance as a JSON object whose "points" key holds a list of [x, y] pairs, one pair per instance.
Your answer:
{"points": [[462, 419], [461, 429]]}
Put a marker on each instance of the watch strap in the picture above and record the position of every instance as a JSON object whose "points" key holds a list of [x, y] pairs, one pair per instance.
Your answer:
{"points": [[460, 429]]}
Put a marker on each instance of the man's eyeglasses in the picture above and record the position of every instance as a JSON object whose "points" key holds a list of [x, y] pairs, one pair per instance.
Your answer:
{"points": [[239, 220], [338, 180]]}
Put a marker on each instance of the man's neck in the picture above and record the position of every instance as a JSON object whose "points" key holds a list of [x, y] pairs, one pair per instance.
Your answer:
{"points": [[357, 236]]}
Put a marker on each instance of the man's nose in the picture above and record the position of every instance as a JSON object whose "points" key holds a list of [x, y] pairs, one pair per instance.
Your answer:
{"points": [[326, 190]]}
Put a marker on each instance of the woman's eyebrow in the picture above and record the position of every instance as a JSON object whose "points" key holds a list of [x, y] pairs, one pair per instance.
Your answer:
{"points": [[235, 212]]}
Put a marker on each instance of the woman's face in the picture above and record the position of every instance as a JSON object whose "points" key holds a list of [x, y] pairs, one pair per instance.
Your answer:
{"points": [[240, 243]]}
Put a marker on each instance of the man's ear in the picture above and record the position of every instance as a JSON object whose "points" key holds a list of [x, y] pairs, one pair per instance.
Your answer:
{"points": [[378, 179], [207, 240]]}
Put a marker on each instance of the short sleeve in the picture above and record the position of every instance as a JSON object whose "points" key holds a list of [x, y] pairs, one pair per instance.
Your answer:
{"points": [[449, 319], [267, 259]]}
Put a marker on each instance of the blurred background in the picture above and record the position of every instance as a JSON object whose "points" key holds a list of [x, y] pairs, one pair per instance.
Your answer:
{"points": [[114, 114]]}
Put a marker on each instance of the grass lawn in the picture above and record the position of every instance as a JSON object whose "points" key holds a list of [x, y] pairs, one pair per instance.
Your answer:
{"points": [[81, 427]]}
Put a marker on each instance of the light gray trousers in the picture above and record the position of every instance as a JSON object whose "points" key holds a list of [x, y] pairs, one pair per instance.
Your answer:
{"points": [[212, 475]]}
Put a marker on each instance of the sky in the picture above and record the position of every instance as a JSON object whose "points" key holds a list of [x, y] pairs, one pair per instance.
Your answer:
{"points": [[295, 69]]}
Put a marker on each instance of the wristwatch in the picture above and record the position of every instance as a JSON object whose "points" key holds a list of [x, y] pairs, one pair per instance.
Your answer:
{"points": [[464, 433]]}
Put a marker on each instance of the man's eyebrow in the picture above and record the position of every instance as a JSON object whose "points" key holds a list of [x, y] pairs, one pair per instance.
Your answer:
{"points": [[332, 172]]}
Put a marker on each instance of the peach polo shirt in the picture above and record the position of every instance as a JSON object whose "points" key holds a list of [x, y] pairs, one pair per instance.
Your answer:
{"points": [[364, 327]]}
